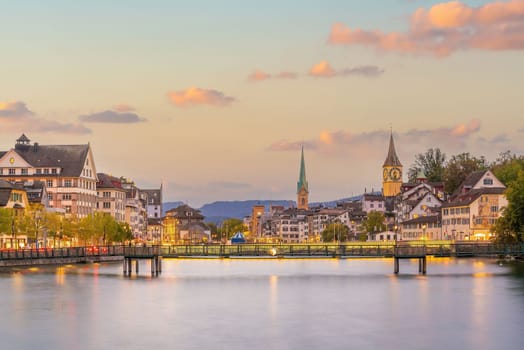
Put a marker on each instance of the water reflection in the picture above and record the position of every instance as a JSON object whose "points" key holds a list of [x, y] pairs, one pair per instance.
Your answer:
{"points": [[266, 304]]}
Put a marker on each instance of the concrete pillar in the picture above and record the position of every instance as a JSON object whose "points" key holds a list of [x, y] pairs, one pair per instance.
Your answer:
{"points": [[397, 267], [424, 265], [136, 262]]}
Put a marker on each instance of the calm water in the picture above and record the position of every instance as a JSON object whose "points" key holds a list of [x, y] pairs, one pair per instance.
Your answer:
{"points": [[265, 304]]}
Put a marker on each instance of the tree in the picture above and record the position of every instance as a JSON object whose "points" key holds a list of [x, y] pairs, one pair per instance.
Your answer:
{"points": [[231, 226], [335, 231], [213, 230], [459, 167], [510, 227], [431, 163], [506, 168], [374, 222]]}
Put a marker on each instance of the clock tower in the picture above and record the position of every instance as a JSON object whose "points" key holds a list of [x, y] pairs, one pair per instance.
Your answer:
{"points": [[391, 171]]}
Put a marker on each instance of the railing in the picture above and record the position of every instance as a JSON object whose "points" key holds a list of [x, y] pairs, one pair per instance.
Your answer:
{"points": [[272, 250]]}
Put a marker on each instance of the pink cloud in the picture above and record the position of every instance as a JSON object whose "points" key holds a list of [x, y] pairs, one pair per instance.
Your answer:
{"points": [[14, 109], [196, 96], [322, 69], [344, 141], [446, 28], [258, 75]]}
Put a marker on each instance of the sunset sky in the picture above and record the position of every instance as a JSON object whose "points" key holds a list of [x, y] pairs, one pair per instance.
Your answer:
{"points": [[215, 98]]}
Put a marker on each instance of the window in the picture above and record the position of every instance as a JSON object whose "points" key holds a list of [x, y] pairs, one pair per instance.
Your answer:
{"points": [[49, 183], [66, 197], [107, 205], [488, 181], [54, 171], [12, 171], [107, 194], [46, 171], [1, 171], [67, 183], [24, 171], [452, 211], [50, 196], [39, 171], [494, 209]]}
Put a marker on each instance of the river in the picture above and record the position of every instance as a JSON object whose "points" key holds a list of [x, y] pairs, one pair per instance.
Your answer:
{"points": [[265, 304]]}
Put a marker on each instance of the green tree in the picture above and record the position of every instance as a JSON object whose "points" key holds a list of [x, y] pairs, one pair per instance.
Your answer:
{"points": [[459, 167], [213, 230], [231, 226], [374, 222], [6, 218], [431, 163], [510, 227], [506, 168], [335, 231]]}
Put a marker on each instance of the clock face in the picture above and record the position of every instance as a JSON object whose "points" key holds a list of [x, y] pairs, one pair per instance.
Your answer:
{"points": [[395, 174], [385, 174], [11, 160]]}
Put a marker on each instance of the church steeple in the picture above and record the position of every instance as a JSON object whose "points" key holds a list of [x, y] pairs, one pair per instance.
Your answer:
{"points": [[392, 158], [302, 185], [392, 171]]}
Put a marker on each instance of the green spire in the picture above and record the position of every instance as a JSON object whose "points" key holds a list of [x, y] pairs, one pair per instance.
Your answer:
{"points": [[302, 182]]}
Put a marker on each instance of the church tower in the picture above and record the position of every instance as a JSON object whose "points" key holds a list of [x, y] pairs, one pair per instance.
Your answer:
{"points": [[302, 187], [391, 171]]}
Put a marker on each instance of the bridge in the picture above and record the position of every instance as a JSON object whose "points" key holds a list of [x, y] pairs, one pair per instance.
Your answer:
{"points": [[129, 254]]}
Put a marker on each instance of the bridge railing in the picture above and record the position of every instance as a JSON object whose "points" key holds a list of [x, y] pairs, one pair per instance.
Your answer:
{"points": [[405, 249]]}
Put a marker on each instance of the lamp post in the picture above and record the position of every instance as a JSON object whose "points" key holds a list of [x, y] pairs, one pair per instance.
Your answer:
{"points": [[14, 243], [424, 226]]}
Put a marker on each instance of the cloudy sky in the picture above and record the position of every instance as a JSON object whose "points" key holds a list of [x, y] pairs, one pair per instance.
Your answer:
{"points": [[215, 98]]}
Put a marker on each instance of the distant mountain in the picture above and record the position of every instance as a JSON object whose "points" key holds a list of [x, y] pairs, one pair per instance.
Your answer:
{"points": [[238, 209], [170, 205], [218, 211]]}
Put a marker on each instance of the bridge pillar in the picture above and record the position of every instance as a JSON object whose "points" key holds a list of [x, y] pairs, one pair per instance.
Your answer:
{"points": [[136, 266], [397, 267]]}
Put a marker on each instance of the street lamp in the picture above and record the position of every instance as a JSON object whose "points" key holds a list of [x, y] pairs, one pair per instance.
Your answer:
{"points": [[424, 226]]}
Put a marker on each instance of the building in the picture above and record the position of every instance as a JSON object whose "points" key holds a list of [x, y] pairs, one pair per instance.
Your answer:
{"points": [[111, 196], [474, 207], [391, 172], [178, 224], [68, 172], [135, 213], [302, 185], [257, 212], [422, 228], [373, 202], [154, 203]]}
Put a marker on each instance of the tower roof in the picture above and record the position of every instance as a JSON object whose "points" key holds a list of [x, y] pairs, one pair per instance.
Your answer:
{"points": [[302, 182], [23, 139], [392, 158]]}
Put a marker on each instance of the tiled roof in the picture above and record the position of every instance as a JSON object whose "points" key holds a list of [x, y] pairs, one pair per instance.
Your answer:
{"points": [[422, 220], [5, 194], [154, 197], [108, 181], [70, 158], [471, 196]]}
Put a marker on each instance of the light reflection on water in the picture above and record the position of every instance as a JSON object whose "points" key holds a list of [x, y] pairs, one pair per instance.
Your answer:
{"points": [[265, 304]]}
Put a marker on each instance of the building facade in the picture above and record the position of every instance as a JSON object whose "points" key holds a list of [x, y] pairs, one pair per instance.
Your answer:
{"points": [[68, 172], [391, 172]]}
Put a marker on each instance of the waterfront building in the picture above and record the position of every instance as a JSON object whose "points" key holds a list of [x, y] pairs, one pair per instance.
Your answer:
{"points": [[474, 207], [68, 172], [12, 196], [154, 202], [422, 228], [302, 185], [391, 171], [111, 196], [178, 226], [254, 222], [135, 213]]}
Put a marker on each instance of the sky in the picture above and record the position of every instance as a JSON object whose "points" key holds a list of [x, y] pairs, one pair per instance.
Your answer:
{"points": [[214, 99]]}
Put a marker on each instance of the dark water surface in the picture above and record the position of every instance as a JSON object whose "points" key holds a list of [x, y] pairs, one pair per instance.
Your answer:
{"points": [[265, 304]]}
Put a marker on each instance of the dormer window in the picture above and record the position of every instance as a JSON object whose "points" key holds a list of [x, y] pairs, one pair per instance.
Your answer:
{"points": [[488, 181]]}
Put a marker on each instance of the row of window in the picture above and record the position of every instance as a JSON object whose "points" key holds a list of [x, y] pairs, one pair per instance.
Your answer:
{"points": [[419, 225], [459, 221], [25, 171], [453, 211]]}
